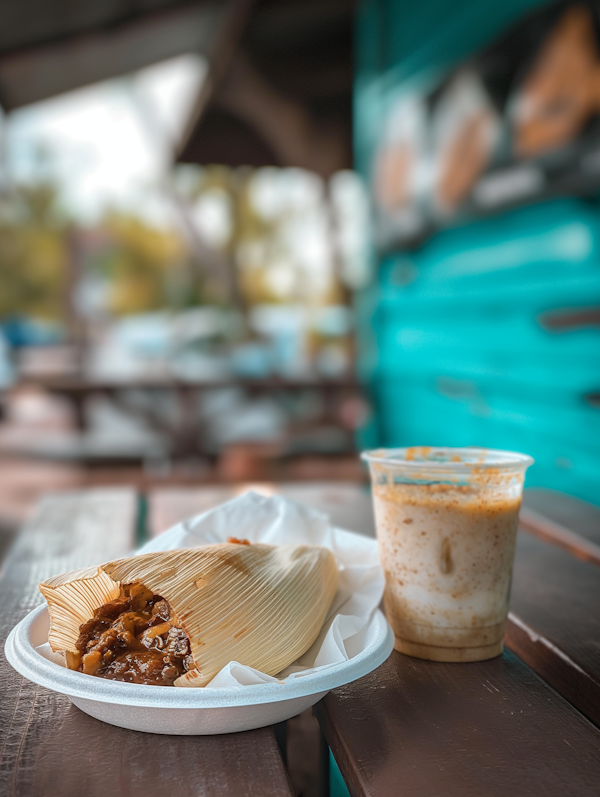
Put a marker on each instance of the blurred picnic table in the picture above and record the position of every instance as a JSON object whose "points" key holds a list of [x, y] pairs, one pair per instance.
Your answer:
{"points": [[526, 723], [339, 409]]}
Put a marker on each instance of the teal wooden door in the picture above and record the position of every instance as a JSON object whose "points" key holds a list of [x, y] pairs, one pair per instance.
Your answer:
{"points": [[487, 334]]}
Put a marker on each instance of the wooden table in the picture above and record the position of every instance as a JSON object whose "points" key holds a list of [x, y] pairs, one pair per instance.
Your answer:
{"points": [[511, 726], [348, 505], [48, 748], [424, 729], [186, 430]]}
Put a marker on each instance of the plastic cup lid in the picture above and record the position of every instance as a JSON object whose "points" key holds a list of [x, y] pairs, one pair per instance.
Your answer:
{"points": [[457, 460]]}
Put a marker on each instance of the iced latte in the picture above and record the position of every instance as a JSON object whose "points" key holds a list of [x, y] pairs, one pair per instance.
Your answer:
{"points": [[446, 525]]}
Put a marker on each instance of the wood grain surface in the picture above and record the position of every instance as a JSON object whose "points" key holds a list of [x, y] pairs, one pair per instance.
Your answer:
{"points": [[565, 521], [48, 748], [421, 728], [424, 729], [578, 516], [554, 620], [348, 505]]}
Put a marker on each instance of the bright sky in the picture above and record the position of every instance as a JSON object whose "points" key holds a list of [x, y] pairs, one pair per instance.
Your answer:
{"points": [[108, 144]]}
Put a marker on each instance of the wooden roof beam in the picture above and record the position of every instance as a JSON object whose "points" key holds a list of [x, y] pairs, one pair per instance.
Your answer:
{"points": [[286, 125], [33, 74], [230, 32]]}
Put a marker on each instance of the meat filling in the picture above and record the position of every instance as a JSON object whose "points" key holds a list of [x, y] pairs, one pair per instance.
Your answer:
{"points": [[134, 638]]}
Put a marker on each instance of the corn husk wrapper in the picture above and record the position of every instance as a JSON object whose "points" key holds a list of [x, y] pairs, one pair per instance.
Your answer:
{"points": [[260, 605]]}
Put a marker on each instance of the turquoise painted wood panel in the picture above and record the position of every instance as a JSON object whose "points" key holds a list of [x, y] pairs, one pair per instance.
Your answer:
{"points": [[439, 33], [549, 382], [573, 423], [456, 339], [564, 461], [549, 235], [480, 368]]}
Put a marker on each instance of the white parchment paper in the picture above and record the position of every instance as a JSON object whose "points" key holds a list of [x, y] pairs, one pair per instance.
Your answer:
{"points": [[278, 521]]}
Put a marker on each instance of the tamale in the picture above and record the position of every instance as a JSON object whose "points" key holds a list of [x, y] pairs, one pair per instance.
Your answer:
{"points": [[259, 605]]}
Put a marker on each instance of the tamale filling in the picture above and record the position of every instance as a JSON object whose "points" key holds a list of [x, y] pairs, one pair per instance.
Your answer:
{"points": [[134, 638]]}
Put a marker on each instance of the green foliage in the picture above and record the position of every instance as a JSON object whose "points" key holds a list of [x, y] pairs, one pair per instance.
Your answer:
{"points": [[141, 263], [33, 254], [41, 251], [256, 244], [43, 255]]}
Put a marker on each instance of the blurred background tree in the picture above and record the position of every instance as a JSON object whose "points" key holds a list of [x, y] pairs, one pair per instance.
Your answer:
{"points": [[34, 253], [142, 263]]}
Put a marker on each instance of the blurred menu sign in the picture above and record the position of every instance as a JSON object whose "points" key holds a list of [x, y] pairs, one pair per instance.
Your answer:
{"points": [[518, 122]]}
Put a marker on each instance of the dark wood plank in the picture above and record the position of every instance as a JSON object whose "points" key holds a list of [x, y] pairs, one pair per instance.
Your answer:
{"points": [[569, 319], [75, 384], [347, 505], [565, 521], [554, 621], [424, 729], [35, 73], [50, 748], [100, 760]]}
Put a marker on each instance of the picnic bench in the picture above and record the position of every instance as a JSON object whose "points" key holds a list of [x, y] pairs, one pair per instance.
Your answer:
{"points": [[184, 430], [526, 723]]}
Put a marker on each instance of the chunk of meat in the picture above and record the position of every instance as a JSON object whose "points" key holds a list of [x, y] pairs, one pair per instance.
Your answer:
{"points": [[133, 638]]}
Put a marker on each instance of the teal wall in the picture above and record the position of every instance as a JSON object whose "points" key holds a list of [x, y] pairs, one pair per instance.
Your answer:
{"points": [[451, 337]]}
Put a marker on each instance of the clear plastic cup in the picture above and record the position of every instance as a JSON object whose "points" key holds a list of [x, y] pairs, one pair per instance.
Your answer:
{"points": [[446, 521]]}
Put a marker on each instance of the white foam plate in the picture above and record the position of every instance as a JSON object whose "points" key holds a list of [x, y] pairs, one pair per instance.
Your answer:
{"points": [[156, 709]]}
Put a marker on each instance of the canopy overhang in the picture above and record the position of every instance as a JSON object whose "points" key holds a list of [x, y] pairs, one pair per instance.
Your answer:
{"points": [[278, 90], [47, 48], [281, 94]]}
